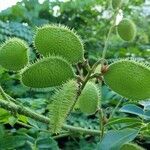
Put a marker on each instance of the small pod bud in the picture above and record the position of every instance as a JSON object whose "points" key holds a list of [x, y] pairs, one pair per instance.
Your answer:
{"points": [[89, 98], [126, 30], [14, 54]]}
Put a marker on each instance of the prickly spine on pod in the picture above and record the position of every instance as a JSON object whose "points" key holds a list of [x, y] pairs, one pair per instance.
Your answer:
{"points": [[126, 30], [129, 78], [89, 99], [47, 72], [62, 101], [14, 54], [59, 40]]}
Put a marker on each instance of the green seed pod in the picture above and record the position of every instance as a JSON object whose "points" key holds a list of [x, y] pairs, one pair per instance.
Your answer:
{"points": [[116, 4], [129, 78], [59, 40], [131, 146], [62, 102], [126, 30], [14, 54], [89, 98], [48, 72]]}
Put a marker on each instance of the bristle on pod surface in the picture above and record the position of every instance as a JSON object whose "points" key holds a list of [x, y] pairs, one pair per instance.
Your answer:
{"points": [[47, 72], [14, 54], [126, 30], [89, 99], [59, 40], [62, 101], [129, 78]]}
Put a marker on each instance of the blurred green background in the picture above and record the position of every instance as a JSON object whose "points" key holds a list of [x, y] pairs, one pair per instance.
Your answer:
{"points": [[91, 20]]}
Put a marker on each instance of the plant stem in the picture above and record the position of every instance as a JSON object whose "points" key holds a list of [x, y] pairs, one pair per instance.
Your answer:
{"points": [[61, 135], [81, 130], [88, 76], [100, 112], [8, 97], [108, 35], [101, 116], [23, 111], [106, 43], [4, 94], [113, 112], [29, 113]]}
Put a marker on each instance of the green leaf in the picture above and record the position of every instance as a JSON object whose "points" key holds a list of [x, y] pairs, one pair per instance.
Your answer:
{"points": [[2, 131], [123, 120], [113, 140], [132, 109], [4, 116], [45, 142], [12, 142], [146, 115], [12, 120]]}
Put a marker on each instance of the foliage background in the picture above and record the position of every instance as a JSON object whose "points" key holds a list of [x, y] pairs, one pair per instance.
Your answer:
{"points": [[90, 19]]}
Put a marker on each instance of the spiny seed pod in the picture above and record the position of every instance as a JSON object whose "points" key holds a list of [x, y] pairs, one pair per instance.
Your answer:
{"points": [[59, 40], [62, 102], [89, 98], [116, 4], [126, 30], [131, 146], [48, 72], [14, 54], [129, 78]]}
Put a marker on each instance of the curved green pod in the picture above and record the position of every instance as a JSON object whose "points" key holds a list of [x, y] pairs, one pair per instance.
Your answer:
{"points": [[14, 54], [126, 30], [129, 78], [89, 99], [48, 72], [62, 102], [59, 40]]}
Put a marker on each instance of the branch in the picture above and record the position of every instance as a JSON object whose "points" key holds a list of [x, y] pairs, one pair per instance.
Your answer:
{"points": [[29, 113], [3, 94]]}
